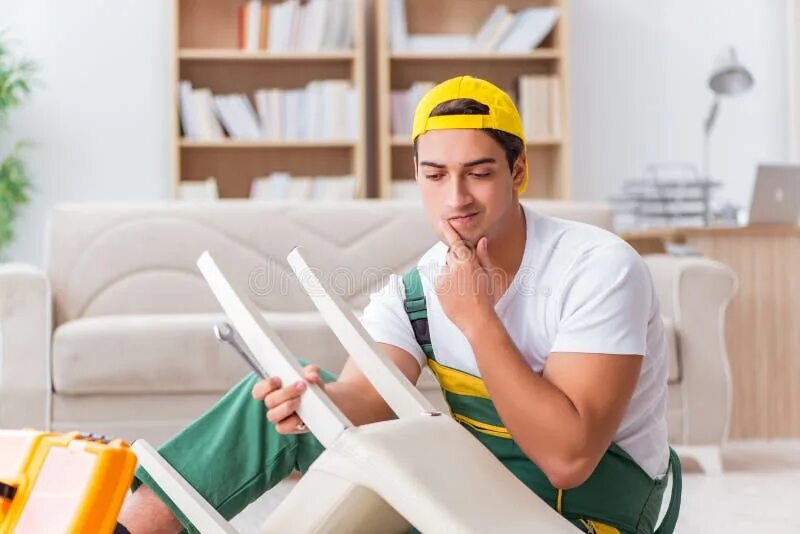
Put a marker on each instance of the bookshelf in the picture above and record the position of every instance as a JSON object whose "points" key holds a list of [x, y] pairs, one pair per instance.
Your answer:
{"points": [[548, 156], [207, 53]]}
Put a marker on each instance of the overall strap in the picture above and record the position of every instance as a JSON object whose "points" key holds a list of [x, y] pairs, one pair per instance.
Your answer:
{"points": [[671, 517], [414, 305]]}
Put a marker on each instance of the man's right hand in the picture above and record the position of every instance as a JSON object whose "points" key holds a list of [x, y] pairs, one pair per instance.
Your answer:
{"points": [[282, 402]]}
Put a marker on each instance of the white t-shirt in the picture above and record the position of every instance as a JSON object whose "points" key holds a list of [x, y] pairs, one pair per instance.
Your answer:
{"points": [[578, 289]]}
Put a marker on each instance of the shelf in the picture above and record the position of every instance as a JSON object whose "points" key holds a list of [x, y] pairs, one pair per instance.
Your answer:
{"points": [[405, 141], [541, 54], [232, 54], [231, 143]]}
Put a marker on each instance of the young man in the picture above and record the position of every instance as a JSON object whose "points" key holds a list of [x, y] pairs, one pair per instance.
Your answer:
{"points": [[544, 334]]}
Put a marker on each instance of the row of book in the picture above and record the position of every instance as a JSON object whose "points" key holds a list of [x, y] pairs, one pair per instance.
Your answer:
{"points": [[323, 110], [277, 186], [296, 26], [404, 104], [539, 104], [284, 186], [538, 101], [505, 31]]}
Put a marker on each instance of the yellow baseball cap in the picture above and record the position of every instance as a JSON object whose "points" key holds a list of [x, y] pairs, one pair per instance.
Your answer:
{"points": [[503, 114]]}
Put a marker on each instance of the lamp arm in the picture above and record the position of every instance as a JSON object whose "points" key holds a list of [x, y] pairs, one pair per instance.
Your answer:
{"points": [[711, 119]]}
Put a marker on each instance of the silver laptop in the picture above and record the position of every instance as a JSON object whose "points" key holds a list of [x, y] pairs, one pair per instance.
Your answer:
{"points": [[776, 195]]}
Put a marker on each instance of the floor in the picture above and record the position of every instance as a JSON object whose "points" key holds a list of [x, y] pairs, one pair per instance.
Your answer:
{"points": [[759, 492]]}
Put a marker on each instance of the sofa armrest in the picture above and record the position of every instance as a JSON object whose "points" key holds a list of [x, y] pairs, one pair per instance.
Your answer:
{"points": [[694, 293], [25, 333]]}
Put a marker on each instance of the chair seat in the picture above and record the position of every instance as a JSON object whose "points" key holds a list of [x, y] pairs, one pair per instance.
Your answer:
{"points": [[430, 470]]}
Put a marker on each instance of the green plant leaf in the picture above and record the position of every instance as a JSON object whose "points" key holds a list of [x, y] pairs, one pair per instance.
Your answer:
{"points": [[15, 189]]}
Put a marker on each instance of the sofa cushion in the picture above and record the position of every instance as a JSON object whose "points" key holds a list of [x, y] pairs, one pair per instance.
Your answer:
{"points": [[179, 353], [167, 354], [171, 353]]}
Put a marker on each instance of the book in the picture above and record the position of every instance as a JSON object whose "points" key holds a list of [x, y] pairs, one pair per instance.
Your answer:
{"points": [[283, 186], [499, 33], [482, 40], [261, 98], [555, 106], [295, 26], [313, 110], [223, 112], [404, 104], [277, 27], [198, 190], [202, 104], [333, 188], [263, 27], [250, 123], [346, 26], [332, 16], [539, 105], [530, 28], [252, 25], [277, 128], [189, 124], [314, 26], [398, 31], [323, 109], [275, 186], [300, 188], [241, 26], [237, 116]]}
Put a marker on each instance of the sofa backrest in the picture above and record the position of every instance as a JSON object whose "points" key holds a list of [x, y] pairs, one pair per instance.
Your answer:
{"points": [[111, 259]]}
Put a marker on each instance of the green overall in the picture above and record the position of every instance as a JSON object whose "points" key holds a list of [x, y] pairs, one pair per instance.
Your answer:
{"points": [[231, 454], [618, 497]]}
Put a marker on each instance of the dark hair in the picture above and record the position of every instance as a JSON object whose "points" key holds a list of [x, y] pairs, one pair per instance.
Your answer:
{"points": [[511, 144]]}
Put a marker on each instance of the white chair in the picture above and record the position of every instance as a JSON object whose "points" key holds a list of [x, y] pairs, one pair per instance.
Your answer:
{"points": [[368, 479]]}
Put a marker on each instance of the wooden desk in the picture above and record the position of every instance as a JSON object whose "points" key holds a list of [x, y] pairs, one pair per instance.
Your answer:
{"points": [[762, 323]]}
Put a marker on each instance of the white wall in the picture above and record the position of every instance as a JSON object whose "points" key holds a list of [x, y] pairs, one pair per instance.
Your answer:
{"points": [[639, 89], [639, 70], [100, 115]]}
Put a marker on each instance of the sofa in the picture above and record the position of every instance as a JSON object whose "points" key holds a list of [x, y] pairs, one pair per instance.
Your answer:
{"points": [[114, 335]]}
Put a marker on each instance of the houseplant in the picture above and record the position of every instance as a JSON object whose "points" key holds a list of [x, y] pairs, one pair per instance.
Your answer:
{"points": [[15, 184]]}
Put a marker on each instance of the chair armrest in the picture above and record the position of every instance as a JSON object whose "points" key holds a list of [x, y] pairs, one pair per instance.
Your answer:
{"points": [[694, 293], [25, 333]]}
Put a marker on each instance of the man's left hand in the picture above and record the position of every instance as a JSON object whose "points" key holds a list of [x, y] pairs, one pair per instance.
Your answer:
{"points": [[467, 285]]}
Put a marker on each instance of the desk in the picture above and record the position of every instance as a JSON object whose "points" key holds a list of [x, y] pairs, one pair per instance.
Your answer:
{"points": [[762, 323]]}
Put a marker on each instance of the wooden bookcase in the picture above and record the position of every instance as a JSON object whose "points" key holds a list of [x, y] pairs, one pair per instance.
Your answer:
{"points": [[206, 53], [548, 158]]}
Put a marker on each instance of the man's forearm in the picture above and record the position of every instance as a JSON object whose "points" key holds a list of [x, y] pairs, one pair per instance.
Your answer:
{"points": [[540, 417], [361, 404]]}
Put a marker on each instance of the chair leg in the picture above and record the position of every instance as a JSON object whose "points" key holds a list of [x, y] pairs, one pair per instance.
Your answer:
{"points": [[708, 456]]}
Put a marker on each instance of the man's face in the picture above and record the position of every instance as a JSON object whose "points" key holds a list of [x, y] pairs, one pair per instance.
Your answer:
{"points": [[464, 178]]}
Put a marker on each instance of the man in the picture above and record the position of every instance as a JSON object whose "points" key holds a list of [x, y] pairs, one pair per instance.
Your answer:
{"points": [[544, 334]]}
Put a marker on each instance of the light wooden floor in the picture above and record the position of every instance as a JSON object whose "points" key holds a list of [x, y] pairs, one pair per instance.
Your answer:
{"points": [[758, 492]]}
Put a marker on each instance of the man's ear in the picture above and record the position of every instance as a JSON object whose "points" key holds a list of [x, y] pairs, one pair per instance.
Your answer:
{"points": [[519, 169]]}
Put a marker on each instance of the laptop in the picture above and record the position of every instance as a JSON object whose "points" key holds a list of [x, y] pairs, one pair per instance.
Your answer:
{"points": [[776, 195]]}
